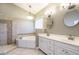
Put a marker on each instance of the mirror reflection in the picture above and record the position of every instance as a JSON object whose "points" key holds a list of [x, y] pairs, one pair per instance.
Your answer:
{"points": [[71, 18]]}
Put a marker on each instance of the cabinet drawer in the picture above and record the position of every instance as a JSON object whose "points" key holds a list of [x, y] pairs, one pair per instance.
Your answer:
{"points": [[61, 51], [72, 48]]}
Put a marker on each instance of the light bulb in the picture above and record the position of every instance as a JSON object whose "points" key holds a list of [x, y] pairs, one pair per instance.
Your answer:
{"points": [[50, 12], [30, 17]]}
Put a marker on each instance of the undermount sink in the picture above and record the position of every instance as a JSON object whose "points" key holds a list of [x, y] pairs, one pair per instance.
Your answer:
{"points": [[74, 40]]}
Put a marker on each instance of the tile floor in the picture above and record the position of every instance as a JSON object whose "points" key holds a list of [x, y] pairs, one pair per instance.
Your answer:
{"points": [[25, 51], [13, 50], [6, 48]]}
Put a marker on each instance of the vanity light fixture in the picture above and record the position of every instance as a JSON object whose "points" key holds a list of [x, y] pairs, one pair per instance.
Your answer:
{"points": [[68, 5], [49, 12], [30, 16]]}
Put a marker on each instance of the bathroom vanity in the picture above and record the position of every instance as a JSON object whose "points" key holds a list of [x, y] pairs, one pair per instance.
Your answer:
{"points": [[58, 44]]}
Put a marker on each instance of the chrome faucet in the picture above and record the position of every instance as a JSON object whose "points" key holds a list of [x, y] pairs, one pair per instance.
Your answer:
{"points": [[70, 37], [47, 32]]}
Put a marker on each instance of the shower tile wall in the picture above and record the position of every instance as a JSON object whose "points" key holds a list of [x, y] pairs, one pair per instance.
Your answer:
{"points": [[6, 27]]}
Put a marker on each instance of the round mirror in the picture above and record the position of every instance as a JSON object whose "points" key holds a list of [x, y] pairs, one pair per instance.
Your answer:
{"points": [[71, 18]]}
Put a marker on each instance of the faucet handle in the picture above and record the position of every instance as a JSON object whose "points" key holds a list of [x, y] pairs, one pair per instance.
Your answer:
{"points": [[70, 37]]}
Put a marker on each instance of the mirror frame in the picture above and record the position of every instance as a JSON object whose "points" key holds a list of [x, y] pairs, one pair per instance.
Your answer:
{"points": [[69, 14]]}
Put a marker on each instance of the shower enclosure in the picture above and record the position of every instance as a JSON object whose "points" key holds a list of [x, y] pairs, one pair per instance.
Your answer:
{"points": [[3, 36]]}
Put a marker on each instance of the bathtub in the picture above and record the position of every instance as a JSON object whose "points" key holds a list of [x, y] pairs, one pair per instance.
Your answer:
{"points": [[26, 42]]}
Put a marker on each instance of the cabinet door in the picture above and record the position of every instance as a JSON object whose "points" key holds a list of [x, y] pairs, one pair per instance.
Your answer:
{"points": [[61, 51], [46, 45], [43, 45], [50, 47]]}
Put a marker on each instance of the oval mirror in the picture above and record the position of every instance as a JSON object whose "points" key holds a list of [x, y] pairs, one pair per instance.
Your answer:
{"points": [[71, 18]]}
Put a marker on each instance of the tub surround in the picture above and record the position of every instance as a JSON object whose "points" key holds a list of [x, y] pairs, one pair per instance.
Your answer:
{"points": [[22, 27], [61, 38], [26, 41]]}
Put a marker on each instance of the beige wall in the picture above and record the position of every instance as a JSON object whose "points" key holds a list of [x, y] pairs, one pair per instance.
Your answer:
{"points": [[20, 24], [22, 27], [58, 26], [8, 10]]}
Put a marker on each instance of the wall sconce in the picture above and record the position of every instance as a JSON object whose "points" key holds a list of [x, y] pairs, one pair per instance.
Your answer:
{"points": [[49, 18]]}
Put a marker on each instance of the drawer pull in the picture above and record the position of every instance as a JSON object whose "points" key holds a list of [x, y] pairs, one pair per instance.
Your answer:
{"points": [[66, 52]]}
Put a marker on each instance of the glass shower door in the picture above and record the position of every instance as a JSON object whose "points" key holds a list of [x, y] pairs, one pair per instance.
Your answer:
{"points": [[3, 37]]}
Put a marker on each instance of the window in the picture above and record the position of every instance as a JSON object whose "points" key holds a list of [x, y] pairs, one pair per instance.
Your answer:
{"points": [[39, 23]]}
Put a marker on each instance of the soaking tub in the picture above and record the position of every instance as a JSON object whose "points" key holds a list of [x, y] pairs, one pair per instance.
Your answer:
{"points": [[26, 42]]}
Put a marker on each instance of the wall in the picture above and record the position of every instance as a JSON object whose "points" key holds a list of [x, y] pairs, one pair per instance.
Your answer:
{"points": [[20, 24], [9, 10], [58, 26], [22, 27]]}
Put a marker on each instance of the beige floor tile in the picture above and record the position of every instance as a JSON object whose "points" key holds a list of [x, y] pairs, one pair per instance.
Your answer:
{"points": [[6, 48], [26, 51], [13, 50]]}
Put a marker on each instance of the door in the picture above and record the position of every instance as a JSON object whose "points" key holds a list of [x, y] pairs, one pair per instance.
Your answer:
{"points": [[3, 34]]}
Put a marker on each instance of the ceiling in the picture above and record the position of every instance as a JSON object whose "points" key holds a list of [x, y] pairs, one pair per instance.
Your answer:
{"points": [[35, 7], [38, 7]]}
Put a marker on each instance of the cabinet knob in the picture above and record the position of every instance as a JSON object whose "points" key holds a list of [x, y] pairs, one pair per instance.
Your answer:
{"points": [[66, 52]]}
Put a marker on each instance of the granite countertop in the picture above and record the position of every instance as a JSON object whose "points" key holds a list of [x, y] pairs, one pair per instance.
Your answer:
{"points": [[61, 38]]}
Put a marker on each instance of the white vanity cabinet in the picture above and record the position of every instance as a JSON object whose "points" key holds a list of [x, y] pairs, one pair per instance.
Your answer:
{"points": [[46, 45], [62, 51], [42, 44], [66, 49], [54, 47]]}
